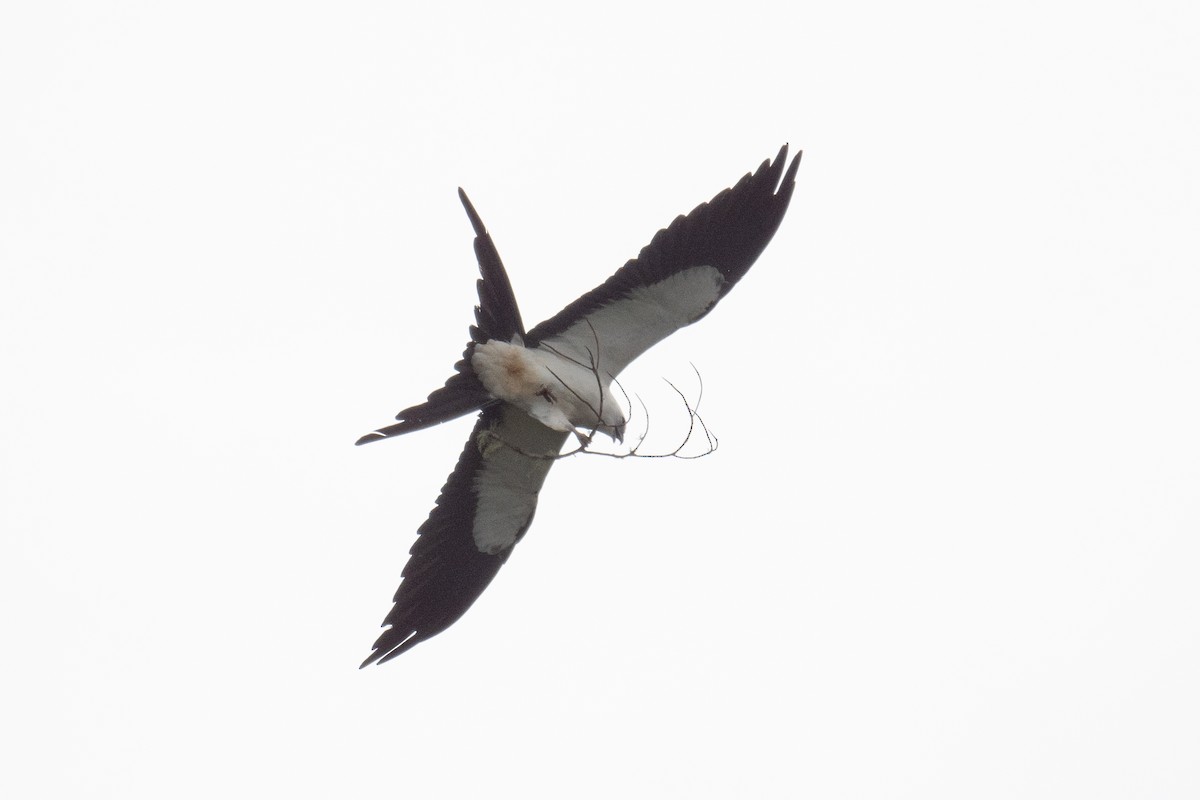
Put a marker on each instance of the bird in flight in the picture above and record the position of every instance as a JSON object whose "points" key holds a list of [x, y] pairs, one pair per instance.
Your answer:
{"points": [[536, 388]]}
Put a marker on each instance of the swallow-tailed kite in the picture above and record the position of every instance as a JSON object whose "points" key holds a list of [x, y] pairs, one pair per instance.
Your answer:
{"points": [[535, 388]]}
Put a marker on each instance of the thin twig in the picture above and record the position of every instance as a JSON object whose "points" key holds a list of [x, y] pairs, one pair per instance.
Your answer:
{"points": [[694, 421]]}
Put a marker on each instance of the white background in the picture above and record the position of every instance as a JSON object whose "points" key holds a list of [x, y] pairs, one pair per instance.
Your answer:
{"points": [[948, 546]]}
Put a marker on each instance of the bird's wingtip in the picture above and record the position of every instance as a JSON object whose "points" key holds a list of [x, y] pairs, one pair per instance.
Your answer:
{"points": [[373, 436], [472, 214], [789, 177]]}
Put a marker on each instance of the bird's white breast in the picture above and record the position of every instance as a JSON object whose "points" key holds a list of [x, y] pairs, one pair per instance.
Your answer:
{"points": [[561, 393]]}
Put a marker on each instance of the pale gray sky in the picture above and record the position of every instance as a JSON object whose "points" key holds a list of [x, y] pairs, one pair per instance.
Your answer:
{"points": [[948, 547]]}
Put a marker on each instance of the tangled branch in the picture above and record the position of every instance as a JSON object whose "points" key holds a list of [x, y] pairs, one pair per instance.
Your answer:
{"points": [[696, 424], [695, 421]]}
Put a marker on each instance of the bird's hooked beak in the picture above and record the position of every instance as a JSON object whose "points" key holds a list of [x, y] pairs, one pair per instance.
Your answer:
{"points": [[618, 433], [614, 432]]}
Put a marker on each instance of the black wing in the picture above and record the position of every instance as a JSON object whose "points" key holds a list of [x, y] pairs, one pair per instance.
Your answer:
{"points": [[625, 315], [484, 509]]}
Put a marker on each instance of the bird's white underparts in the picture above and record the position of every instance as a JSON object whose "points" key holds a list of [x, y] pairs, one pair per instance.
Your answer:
{"points": [[534, 389]]}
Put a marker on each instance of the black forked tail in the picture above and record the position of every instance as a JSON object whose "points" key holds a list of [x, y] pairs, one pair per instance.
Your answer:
{"points": [[496, 317]]}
